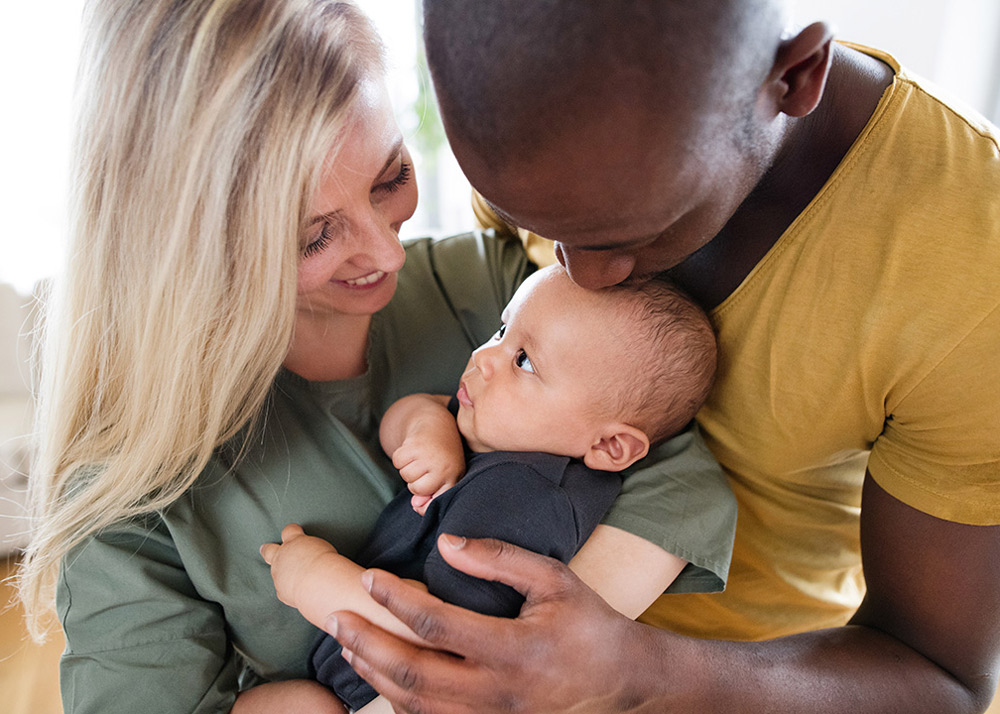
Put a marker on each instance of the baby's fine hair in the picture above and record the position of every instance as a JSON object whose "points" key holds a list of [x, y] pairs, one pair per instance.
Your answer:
{"points": [[673, 358]]}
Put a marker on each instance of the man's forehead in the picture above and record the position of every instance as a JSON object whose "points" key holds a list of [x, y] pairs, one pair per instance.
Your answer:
{"points": [[592, 194], [583, 228]]}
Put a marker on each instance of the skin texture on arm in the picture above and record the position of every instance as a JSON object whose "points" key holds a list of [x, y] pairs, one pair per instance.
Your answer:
{"points": [[421, 437], [626, 570], [311, 576], [907, 650]]}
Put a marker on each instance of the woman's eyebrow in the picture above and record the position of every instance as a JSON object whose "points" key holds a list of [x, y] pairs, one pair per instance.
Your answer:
{"points": [[331, 217], [393, 155], [334, 216]]}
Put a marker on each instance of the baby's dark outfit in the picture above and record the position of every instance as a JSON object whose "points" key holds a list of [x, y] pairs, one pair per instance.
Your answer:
{"points": [[545, 503]]}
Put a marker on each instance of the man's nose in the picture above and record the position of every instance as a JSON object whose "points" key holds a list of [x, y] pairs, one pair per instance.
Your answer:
{"points": [[595, 269]]}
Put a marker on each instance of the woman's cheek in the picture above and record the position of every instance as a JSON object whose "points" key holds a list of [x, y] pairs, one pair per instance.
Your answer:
{"points": [[314, 272]]}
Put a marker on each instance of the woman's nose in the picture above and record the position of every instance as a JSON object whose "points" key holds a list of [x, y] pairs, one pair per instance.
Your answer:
{"points": [[381, 243], [595, 269]]}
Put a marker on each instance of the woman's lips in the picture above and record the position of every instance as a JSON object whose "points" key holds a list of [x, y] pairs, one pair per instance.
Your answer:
{"points": [[365, 281], [463, 396]]}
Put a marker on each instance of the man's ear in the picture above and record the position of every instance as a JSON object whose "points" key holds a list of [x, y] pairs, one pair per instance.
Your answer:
{"points": [[801, 67], [617, 448]]}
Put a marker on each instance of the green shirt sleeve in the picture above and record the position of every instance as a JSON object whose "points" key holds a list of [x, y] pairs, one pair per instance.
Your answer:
{"points": [[149, 641], [678, 498]]}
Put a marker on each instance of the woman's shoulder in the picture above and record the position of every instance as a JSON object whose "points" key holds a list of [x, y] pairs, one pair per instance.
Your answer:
{"points": [[468, 268]]}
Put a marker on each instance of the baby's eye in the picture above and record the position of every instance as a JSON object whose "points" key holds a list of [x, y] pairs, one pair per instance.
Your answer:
{"points": [[499, 333], [522, 361]]}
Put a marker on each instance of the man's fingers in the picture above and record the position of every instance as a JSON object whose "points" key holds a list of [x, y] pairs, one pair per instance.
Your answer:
{"points": [[535, 576], [445, 626], [401, 670], [268, 551]]}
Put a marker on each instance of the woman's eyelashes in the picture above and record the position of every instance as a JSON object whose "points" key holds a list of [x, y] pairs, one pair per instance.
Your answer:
{"points": [[320, 243], [327, 233], [498, 335], [335, 225], [401, 179]]}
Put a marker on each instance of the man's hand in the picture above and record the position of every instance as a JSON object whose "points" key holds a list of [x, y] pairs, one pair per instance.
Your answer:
{"points": [[568, 650], [926, 639]]}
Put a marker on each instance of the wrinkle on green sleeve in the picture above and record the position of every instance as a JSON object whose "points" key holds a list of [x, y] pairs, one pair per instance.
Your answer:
{"points": [[139, 638], [679, 499]]}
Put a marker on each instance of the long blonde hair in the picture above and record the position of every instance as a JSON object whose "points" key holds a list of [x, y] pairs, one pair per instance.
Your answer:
{"points": [[203, 130]]}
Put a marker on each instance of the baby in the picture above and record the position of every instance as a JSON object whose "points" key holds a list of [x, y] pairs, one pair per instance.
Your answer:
{"points": [[573, 389]]}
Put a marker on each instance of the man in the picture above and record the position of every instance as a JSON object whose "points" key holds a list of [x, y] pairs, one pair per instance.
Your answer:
{"points": [[842, 224]]}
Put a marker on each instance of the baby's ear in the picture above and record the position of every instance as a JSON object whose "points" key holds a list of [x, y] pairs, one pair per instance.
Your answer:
{"points": [[617, 448]]}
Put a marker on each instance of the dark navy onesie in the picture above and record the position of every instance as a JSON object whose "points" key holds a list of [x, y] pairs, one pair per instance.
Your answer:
{"points": [[545, 503]]}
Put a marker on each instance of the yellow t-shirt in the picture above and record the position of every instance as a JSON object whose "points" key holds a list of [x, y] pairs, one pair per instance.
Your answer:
{"points": [[868, 336]]}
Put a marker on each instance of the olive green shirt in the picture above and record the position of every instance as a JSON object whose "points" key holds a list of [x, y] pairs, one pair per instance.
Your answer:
{"points": [[177, 612]]}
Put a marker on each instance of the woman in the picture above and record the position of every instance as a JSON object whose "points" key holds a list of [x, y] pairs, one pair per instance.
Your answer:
{"points": [[233, 322]]}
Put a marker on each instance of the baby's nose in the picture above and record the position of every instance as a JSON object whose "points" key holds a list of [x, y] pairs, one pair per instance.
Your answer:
{"points": [[484, 359]]}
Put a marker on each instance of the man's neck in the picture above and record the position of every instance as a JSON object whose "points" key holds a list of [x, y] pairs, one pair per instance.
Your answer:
{"points": [[809, 153]]}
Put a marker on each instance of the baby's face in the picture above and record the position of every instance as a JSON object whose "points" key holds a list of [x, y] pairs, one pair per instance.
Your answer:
{"points": [[547, 379]]}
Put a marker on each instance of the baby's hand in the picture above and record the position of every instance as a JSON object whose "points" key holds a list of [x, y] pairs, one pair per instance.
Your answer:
{"points": [[429, 466], [293, 561]]}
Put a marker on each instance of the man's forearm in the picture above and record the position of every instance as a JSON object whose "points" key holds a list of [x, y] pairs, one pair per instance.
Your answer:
{"points": [[569, 651], [848, 669]]}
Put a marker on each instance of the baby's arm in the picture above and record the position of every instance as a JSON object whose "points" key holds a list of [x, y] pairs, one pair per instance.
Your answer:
{"points": [[626, 570], [311, 576], [421, 436]]}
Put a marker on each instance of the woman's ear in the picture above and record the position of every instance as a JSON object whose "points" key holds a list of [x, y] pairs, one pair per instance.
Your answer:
{"points": [[801, 67], [617, 448]]}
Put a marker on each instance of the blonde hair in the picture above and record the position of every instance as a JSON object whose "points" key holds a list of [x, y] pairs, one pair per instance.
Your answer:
{"points": [[204, 126]]}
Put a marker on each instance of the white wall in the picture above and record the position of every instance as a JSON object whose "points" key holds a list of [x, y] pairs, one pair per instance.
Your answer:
{"points": [[955, 43], [39, 43]]}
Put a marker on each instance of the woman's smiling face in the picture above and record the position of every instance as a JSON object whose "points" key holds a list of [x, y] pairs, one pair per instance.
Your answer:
{"points": [[352, 251]]}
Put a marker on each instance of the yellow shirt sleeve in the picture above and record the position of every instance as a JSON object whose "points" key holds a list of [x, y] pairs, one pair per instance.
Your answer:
{"points": [[940, 450]]}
